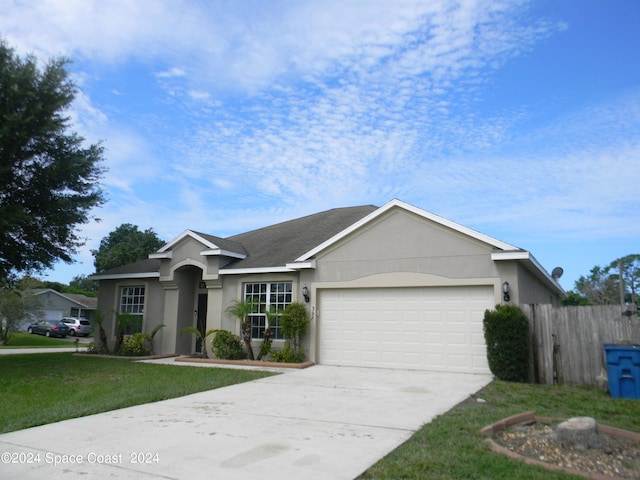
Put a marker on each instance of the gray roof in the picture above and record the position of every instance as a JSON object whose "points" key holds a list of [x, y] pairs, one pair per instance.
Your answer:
{"points": [[223, 243], [89, 303], [148, 265], [272, 246], [282, 243]]}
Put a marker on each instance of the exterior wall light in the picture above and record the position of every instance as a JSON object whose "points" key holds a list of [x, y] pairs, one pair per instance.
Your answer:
{"points": [[305, 293], [505, 291]]}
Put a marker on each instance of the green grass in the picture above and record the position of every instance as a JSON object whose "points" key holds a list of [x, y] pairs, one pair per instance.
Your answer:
{"points": [[41, 388], [27, 340], [451, 447], [37, 389]]}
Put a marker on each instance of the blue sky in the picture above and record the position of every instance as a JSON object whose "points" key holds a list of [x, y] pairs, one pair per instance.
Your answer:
{"points": [[520, 119]]}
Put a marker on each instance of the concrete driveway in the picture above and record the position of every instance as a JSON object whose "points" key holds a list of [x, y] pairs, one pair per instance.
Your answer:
{"points": [[318, 423]]}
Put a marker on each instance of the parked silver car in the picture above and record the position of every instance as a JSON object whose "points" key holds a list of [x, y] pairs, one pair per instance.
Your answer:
{"points": [[78, 326]]}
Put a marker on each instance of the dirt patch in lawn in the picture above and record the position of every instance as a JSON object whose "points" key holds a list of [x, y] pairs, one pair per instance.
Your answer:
{"points": [[535, 440]]}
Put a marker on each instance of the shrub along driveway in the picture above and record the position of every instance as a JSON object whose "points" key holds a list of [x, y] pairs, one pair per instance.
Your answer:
{"points": [[321, 422]]}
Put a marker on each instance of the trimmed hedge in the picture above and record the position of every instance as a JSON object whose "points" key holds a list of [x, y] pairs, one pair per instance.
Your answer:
{"points": [[227, 346], [506, 333]]}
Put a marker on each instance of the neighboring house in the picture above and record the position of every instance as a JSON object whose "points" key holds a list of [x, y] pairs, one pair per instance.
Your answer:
{"points": [[56, 305], [394, 287]]}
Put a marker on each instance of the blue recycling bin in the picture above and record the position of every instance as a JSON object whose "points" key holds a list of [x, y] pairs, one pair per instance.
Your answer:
{"points": [[623, 370]]}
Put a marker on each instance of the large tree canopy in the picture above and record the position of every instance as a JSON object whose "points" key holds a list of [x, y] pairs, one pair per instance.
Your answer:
{"points": [[126, 244], [49, 182], [602, 285]]}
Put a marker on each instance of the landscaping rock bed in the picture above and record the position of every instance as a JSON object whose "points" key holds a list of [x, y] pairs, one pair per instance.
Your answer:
{"points": [[536, 441]]}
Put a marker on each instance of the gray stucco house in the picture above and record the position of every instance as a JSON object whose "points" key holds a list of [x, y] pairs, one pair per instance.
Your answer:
{"points": [[56, 305], [392, 286]]}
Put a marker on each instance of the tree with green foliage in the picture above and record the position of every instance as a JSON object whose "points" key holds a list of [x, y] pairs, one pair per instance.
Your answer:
{"points": [[599, 287], [574, 299], [126, 244], [81, 284], [18, 305], [602, 285], [293, 321], [50, 180], [628, 269]]}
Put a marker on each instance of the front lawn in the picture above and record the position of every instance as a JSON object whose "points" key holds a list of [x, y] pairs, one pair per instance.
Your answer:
{"points": [[49, 387], [451, 447], [28, 340], [37, 389]]}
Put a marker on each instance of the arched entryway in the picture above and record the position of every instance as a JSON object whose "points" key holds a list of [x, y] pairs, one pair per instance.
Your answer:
{"points": [[192, 307]]}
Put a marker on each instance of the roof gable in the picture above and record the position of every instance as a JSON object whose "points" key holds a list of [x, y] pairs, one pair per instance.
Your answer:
{"points": [[87, 303], [214, 245], [405, 206]]}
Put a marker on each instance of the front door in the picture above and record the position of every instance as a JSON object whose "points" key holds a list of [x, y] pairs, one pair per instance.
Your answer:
{"points": [[201, 324]]}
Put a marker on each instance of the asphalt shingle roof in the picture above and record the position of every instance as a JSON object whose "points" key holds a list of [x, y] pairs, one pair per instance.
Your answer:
{"points": [[223, 243], [282, 243], [148, 265], [271, 246]]}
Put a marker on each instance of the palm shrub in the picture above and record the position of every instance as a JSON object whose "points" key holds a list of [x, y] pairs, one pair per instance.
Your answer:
{"points": [[100, 345], [267, 341], [242, 311], [506, 334], [150, 336], [123, 321], [201, 335], [139, 344]]}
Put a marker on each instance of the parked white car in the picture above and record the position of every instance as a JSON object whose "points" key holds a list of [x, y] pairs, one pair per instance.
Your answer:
{"points": [[78, 326]]}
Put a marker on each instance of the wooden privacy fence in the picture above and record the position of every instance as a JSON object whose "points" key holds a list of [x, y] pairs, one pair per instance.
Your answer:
{"points": [[566, 342]]}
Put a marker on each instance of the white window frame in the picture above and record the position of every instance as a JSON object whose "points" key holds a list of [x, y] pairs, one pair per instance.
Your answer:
{"points": [[276, 295], [135, 307]]}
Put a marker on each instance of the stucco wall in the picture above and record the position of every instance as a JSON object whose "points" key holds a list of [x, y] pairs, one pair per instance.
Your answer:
{"points": [[233, 291], [403, 242], [532, 290], [108, 304]]}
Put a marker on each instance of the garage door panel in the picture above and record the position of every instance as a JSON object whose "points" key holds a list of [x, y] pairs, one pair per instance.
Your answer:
{"points": [[424, 328]]}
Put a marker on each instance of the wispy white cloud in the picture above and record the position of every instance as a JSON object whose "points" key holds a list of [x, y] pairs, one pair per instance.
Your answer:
{"points": [[255, 112], [171, 73]]}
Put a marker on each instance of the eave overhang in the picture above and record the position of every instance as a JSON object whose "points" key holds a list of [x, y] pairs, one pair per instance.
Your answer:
{"points": [[531, 264], [246, 271], [124, 276]]}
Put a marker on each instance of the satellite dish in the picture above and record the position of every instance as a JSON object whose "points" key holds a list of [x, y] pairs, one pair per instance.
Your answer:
{"points": [[557, 273]]}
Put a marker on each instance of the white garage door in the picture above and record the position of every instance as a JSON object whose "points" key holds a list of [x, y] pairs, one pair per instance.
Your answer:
{"points": [[52, 315], [435, 328]]}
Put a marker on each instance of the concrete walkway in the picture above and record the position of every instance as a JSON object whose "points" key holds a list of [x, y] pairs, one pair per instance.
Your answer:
{"points": [[319, 423]]}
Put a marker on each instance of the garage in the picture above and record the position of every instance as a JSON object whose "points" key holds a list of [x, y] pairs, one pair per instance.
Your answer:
{"points": [[422, 328], [52, 315]]}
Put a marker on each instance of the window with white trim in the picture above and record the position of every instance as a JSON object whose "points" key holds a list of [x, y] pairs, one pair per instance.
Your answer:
{"points": [[132, 303], [271, 297]]}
